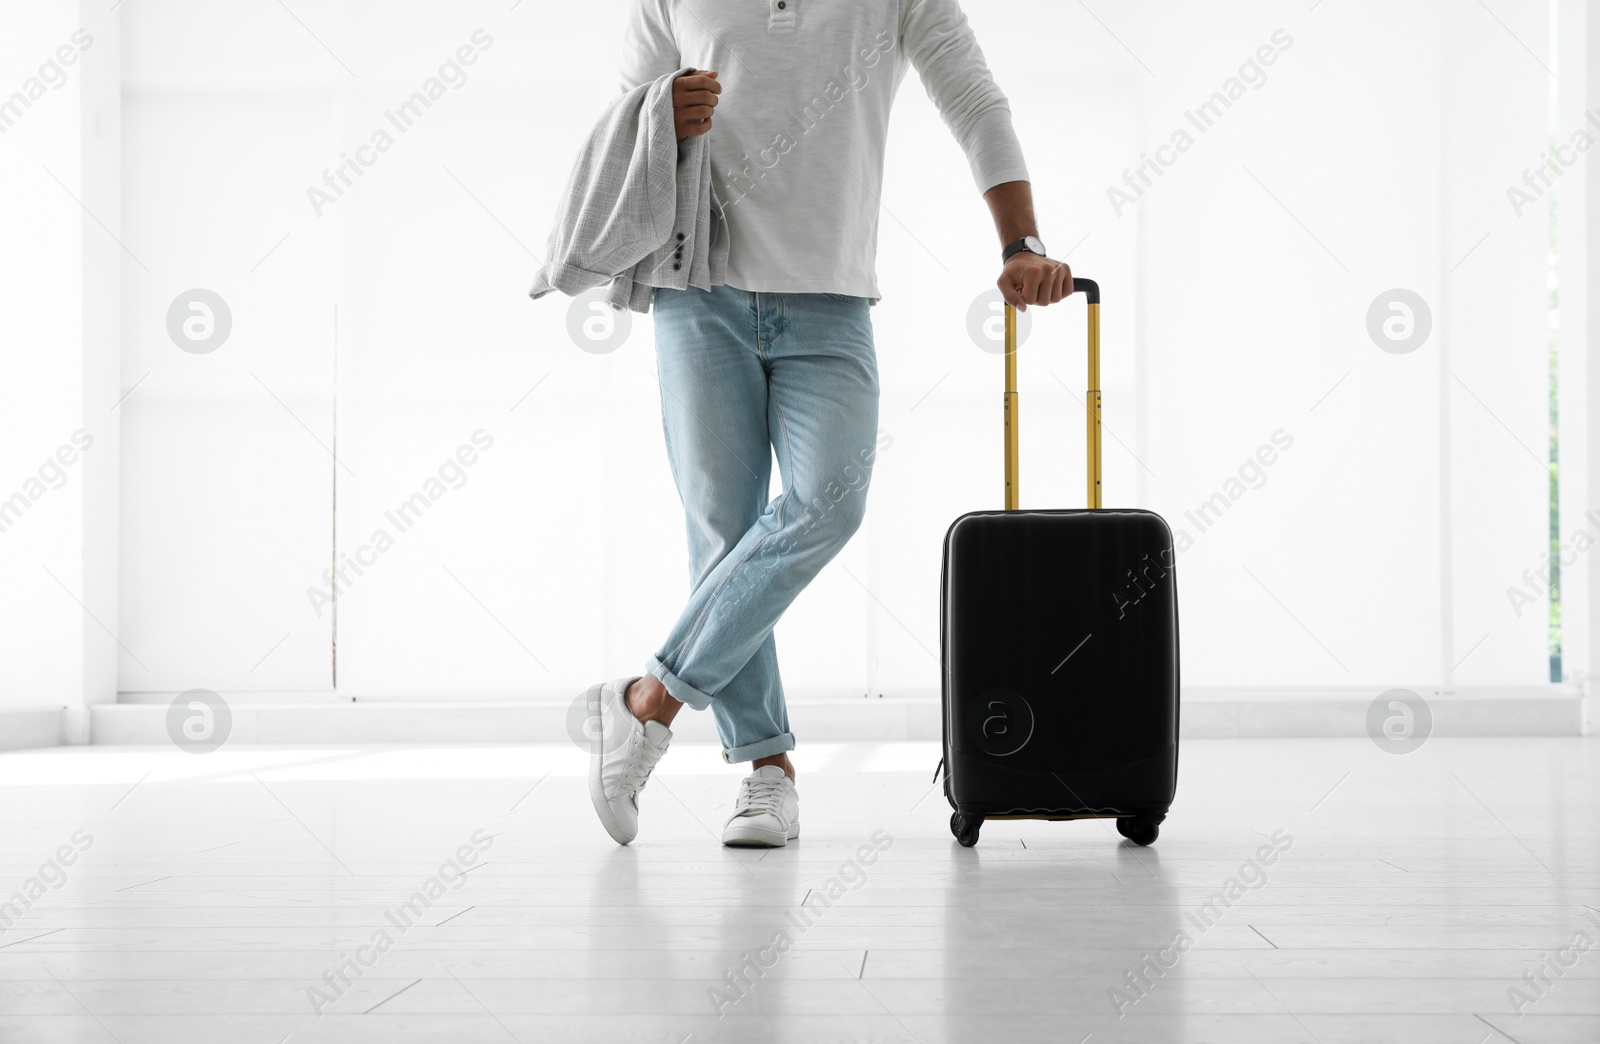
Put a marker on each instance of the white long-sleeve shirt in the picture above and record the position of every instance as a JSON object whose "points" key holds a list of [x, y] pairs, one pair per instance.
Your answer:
{"points": [[797, 139]]}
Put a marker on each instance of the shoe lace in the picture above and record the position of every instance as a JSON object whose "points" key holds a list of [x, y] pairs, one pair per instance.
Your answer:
{"points": [[636, 768], [760, 795]]}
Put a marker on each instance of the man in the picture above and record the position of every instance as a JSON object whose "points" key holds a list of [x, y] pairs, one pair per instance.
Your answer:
{"points": [[795, 95]]}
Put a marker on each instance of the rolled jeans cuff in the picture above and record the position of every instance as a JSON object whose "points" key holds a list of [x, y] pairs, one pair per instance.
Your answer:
{"points": [[679, 689], [762, 749]]}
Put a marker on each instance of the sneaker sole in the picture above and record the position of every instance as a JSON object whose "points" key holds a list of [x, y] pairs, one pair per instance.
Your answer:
{"points": [[748, 838], [597, 793]]}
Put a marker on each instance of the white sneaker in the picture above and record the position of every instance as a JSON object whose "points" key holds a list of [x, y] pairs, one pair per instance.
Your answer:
{"points": [[622, 754], [767, 813]]}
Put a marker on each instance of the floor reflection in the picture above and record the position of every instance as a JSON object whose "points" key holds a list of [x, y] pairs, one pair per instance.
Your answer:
{"points": [[1054, 919]]}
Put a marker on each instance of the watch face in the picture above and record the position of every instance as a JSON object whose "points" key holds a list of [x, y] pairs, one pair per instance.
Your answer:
{"points": [[1034, 245]]}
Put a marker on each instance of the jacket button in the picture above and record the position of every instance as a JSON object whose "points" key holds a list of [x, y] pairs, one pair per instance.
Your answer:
{"points": [[680, 237], [782, 4], [675, 267]]}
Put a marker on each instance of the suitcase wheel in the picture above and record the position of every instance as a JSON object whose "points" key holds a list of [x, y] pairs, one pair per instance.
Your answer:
{"points": [[1141, 830], [965, 828]]}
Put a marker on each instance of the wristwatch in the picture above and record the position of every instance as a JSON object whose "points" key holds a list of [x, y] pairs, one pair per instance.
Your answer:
{"points": [[1029, 243]]}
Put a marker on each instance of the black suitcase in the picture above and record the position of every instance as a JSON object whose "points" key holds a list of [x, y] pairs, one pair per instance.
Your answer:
{"points": [[1059, 635]]}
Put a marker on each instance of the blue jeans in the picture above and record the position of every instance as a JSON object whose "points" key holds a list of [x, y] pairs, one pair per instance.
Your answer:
{"points": [[743, 375]]}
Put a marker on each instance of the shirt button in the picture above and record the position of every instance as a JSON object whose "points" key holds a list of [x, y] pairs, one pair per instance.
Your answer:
{"points": [[680, 237]]}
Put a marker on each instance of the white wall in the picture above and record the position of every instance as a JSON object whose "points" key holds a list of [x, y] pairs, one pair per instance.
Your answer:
{"points": [[60, 263], [394, 324], [1580, 377], [1367, 161], [228, 503]]}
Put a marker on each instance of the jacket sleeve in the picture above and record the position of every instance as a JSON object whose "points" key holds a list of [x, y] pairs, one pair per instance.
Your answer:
{"points": [[620, 201], [649, 51], [941, 45]]}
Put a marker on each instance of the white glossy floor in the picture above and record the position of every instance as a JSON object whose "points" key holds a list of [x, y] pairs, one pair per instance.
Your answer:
{"points": [[210, 893]]}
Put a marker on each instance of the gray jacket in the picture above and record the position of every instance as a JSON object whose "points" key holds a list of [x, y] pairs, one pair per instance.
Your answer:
{"points": [[638, 211]]}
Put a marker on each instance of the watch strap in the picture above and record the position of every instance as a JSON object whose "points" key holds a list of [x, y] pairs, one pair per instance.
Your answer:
{"points": [[1018, 247]]}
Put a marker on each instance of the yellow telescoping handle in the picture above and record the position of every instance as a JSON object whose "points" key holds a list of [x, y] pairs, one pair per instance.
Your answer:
{"points": [[1092, 403]]}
